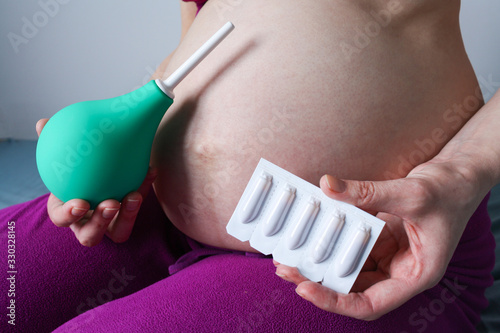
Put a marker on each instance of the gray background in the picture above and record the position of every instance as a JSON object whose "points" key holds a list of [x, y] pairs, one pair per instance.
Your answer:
{"points": [[88, 50], [97, 49], [100, 49]]}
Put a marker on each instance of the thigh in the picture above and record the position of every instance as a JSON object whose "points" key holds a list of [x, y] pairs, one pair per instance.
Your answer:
{"points": [[236, 293], [53, 278]]}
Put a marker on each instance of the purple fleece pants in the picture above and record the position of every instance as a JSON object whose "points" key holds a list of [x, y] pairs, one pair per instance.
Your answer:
{"points": [[161, 281]]}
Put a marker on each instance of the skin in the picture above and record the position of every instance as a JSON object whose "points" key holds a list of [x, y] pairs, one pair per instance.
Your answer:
{"points": [[359, 117], [109, 218]]}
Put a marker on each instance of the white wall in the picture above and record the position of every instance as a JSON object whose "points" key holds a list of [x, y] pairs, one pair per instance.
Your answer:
{"points": [[480, 20], [82, 50], [99, 49]]}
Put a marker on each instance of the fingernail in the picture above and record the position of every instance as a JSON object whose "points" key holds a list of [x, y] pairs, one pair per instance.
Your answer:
{"points": [[75, 211], [132, 205], [297, 291], [335, 185], [108, 213], [280, 275]]}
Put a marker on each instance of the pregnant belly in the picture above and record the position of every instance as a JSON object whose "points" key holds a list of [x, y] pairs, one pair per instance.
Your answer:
{"points": [[282, 87]]}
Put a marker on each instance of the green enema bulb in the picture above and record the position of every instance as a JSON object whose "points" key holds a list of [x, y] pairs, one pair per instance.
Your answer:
{"points": [[100, 150]]}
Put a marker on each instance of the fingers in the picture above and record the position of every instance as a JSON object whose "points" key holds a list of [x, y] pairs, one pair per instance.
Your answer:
{"points": [[323, 297], [90, 226], [379, 294], [380, 196], [356, 305], [290, 274], [90, 232], [148, 181], [371, 304], [65, 214], [120, 228], [40, 125]]}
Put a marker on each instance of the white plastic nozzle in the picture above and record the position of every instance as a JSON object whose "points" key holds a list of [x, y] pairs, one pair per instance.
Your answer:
{"points": [[168, 85]]}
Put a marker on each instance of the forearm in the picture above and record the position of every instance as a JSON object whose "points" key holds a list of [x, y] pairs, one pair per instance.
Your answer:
{"points": [[476, 147]]}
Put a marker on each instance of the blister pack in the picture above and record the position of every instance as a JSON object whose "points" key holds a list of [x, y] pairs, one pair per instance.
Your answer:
{"points": [[288, 217]]}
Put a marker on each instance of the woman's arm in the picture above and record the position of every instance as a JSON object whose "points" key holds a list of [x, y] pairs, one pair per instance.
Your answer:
{"points": [[426, 214], [476, 146]]}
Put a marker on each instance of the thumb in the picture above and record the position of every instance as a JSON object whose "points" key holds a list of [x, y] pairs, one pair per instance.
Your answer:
{"points": [[376, 196], [40, 125], [148, 181]]}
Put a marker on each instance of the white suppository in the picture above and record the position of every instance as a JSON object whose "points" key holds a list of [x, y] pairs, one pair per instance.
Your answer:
{"points": [[283, 215]]}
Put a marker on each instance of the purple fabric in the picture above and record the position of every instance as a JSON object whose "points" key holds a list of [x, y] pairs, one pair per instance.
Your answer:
{"points": [[57, 278], [208, 289], [199, 3]]}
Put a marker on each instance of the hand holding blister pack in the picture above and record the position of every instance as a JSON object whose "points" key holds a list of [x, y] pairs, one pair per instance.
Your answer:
{"points": [[283, 215]]}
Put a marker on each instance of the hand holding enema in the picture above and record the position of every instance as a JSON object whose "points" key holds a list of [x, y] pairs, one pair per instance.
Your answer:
{"points": [[110, 217]]}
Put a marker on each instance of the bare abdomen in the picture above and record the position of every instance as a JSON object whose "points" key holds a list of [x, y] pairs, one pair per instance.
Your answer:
{"points": [[282, 88]]}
